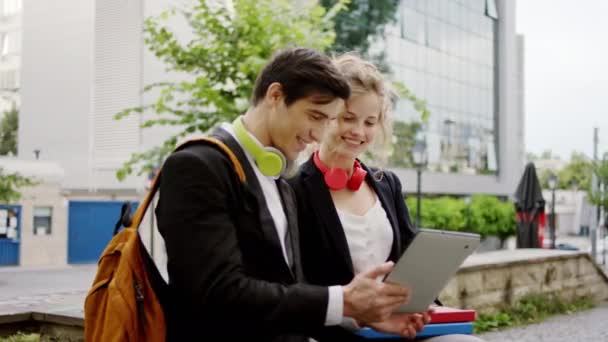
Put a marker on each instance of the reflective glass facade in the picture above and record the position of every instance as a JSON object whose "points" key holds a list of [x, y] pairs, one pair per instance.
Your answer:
{"points": [[444, 52]]}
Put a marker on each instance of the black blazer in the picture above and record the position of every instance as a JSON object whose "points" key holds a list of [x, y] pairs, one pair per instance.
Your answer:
{"points": [[227, 274], [325, 254], [324, 249]]}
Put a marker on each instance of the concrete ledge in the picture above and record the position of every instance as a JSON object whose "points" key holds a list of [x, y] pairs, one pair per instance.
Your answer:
{"points": [[488, 281], [14, 318], [50, 326], [58, 319], [512, 257]]}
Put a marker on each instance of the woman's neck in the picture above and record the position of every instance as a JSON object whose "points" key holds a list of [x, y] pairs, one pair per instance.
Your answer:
{"points": [[336, 160]]}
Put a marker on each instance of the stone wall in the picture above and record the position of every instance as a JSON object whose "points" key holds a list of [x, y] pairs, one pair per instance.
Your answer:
{"points": [[487, 281]]}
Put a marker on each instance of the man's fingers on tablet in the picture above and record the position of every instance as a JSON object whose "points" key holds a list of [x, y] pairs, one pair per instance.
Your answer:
{"points": [[395, 290]]}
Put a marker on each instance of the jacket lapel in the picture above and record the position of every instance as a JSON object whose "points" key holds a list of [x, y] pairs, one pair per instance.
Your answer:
{"points": [[325, 210], [253, 191], [385, 194]]}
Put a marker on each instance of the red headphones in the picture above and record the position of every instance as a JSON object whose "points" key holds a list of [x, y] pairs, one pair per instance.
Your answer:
{"points": [[337, 178]]}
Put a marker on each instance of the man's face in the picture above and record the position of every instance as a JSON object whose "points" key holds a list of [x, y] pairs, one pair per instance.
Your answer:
{"points": [[303, 122]]}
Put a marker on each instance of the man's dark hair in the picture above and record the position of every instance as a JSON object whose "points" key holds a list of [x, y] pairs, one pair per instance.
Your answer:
{"points": [[302, 72]]}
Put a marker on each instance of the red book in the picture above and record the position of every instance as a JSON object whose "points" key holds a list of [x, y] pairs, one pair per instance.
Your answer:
{"points": [[445, 314]]}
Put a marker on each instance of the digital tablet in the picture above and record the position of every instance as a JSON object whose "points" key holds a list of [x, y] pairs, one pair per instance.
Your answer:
{"points": [[429, 262]]}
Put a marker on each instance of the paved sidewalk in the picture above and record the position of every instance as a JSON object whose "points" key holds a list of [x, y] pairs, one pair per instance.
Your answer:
{"points": [[59, 290], [590, 325]]}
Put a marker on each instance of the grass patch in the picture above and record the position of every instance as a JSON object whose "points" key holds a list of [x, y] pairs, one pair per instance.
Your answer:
{"points": [[530, 309], [21, 337]]}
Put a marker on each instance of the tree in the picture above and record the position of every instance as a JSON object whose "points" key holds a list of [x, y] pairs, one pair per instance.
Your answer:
{"points": [[360, 24], [577, 172], [230, 45], [548, 154], [8, 131], [599, 196], [10, 183]]}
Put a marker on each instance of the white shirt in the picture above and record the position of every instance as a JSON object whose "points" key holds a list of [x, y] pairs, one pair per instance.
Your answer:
{"points": [[335, 307], [369, 237]]}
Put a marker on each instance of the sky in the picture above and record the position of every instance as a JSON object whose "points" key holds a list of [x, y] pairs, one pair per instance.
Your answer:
{"points": [[566, 71]]}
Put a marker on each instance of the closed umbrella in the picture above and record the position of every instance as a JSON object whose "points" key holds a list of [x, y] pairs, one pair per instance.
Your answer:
{"points": [[530, 208]]}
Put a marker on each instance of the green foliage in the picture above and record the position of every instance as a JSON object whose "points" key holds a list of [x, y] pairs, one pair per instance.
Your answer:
{"points": [[548, 154], [419, 104], [600, 196], [9, 127], [531, 308], [21, 337], [578, 170], [229, 46], [360, 24], [10, 184], [485, 215], [491, 217]]}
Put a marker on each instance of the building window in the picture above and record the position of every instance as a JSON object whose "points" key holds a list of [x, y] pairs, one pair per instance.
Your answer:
{"points": [[43, 217], [8, 223]]}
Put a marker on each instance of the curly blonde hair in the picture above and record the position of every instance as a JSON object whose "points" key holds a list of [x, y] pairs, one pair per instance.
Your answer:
{"points": [[364, 77]]}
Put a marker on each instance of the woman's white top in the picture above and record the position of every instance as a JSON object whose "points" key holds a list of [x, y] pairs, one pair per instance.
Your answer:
{"points": [[369, 237]]}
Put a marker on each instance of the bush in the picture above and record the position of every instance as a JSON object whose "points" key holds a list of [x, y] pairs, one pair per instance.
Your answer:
{"points": [[21, 337], [485, 215]]}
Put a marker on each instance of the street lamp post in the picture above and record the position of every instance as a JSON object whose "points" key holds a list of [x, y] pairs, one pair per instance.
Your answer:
{"points": [[420, 159], [552, 185]]}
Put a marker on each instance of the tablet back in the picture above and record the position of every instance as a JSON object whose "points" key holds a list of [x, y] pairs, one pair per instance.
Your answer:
{"points": [[430, 261]]}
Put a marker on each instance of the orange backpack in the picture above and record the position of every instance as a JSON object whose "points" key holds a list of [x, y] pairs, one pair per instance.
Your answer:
{"points": [[129, 297]]}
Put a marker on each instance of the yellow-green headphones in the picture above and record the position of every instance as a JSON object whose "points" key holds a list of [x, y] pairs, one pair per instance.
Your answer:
{"points": [[268, 159]]}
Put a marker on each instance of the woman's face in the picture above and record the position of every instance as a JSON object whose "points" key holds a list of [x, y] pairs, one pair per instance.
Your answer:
{"points": [[356, 128]]}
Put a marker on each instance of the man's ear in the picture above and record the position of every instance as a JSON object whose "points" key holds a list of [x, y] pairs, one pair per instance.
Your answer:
{"points": [[274, 93]]}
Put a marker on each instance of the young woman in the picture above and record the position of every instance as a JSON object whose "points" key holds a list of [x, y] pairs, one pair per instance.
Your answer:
{"points": [[352, 217]]}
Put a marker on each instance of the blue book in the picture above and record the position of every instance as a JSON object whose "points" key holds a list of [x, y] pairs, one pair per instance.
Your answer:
{"points": [[429, 330]]}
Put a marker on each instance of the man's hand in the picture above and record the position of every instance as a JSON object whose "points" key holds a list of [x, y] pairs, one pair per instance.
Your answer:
{"points": [[403, 324], [368, 300]]}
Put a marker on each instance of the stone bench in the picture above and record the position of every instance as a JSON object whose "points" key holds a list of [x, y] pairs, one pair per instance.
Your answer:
{"points": [[51, 326], [487, 281]]}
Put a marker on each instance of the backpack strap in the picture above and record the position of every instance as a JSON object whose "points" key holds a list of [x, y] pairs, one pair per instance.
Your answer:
{"points": [[125, 217], [141, 210]]}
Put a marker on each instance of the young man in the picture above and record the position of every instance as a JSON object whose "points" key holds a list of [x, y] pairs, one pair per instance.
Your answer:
{"points": [[233, 250]]}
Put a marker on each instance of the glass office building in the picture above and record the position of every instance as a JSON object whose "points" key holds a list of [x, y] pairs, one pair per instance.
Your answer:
{"points": [[445, 52]]}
